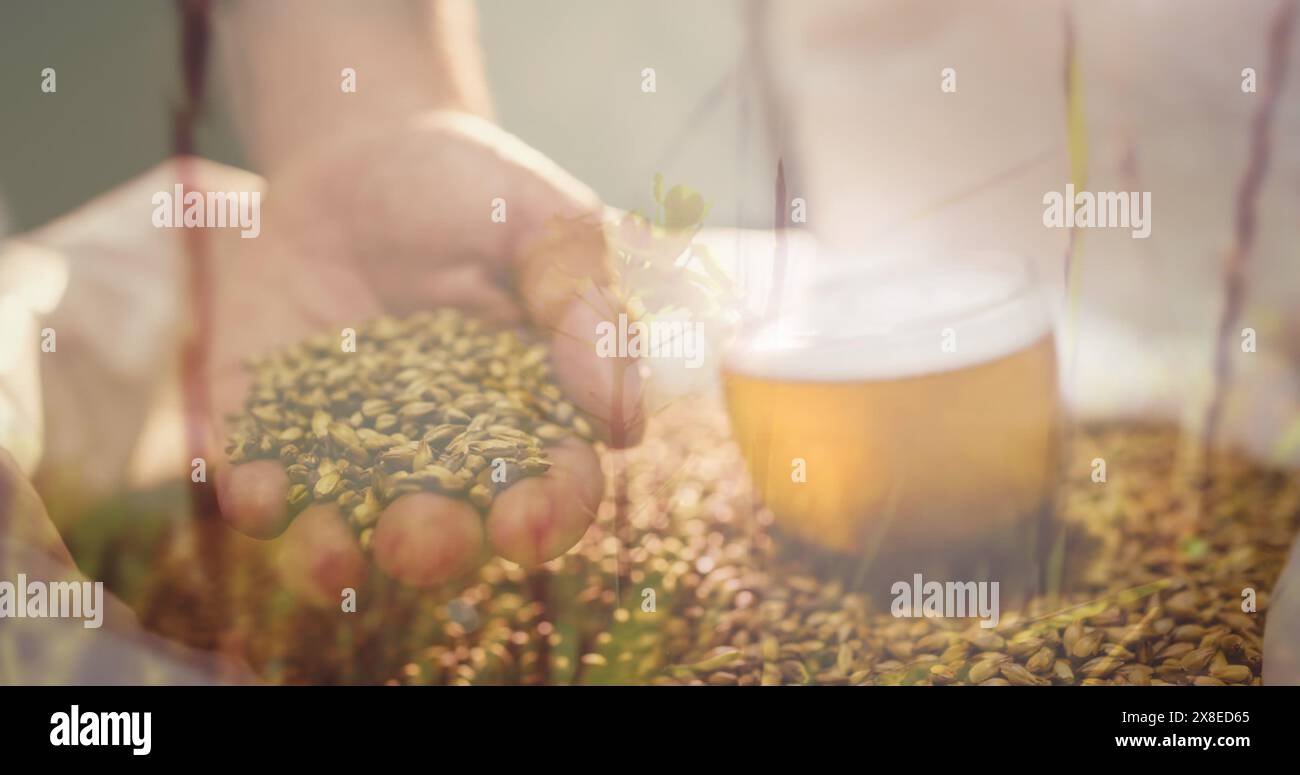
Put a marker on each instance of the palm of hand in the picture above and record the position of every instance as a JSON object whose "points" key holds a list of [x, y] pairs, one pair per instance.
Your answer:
{"points": [[389, 224]]}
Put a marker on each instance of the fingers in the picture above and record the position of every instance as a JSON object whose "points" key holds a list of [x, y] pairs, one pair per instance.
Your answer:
{"points": [[424, 539], [320, 556], [421, 539], [253, 497], [564, 278], [559, 260], [539, 518]]}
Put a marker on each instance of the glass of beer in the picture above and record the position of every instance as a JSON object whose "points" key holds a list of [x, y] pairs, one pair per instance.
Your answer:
{"points": [[908, 410]]}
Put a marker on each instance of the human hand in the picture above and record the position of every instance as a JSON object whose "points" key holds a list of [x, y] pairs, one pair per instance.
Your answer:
{"points": [[394, 219]]}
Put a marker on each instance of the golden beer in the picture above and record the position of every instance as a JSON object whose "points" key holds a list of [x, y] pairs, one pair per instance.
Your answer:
{"points": [[934, 437]]}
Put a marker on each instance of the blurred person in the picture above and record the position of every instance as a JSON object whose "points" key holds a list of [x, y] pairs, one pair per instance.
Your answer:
{"points": [[373, 181], [101, 288], [378, 201]]}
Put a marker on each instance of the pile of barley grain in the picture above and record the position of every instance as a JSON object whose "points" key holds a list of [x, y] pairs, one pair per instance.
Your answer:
{"points": [[436, 401], [1158, 601]]}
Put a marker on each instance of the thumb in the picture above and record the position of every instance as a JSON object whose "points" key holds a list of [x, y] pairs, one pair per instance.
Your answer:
{"points": [[566, 282]]}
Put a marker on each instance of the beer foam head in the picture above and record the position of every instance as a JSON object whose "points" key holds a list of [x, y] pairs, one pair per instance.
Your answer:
{"points": [[899, 319]]}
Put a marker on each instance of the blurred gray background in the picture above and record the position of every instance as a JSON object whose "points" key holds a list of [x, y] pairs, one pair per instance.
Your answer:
{"points": [[565, 75]]}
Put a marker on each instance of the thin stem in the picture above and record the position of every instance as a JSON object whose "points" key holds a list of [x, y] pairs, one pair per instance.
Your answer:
{"points": [[1236, 260]]}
